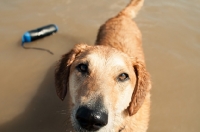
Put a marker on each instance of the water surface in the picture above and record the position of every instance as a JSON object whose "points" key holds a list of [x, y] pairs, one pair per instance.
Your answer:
{"points": [[171, 41]]}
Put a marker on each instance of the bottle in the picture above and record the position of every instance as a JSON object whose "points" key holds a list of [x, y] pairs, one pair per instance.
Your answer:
{"points": [[38, 33]]}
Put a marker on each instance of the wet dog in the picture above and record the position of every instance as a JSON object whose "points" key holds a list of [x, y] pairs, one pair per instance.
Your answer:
{"points": [[108, 84]]}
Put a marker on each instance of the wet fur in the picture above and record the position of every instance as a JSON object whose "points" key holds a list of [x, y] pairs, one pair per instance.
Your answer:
{"points": [[118, 49]]}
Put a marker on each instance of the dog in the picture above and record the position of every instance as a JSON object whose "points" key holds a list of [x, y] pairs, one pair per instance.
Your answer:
{"points": [[108, 83]]}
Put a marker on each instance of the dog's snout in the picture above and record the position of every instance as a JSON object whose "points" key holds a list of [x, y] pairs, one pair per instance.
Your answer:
{"points": [[91, 120]]}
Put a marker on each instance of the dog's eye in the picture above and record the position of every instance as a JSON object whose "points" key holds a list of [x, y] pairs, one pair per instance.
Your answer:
{"points": [[123, 77], [83, 68]]}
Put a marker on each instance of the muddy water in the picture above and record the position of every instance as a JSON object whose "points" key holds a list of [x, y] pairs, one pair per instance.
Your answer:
{"points": [[171, 39]]}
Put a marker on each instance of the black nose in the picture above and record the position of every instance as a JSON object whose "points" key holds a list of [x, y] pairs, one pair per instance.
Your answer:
{"points": [[91, 120]]}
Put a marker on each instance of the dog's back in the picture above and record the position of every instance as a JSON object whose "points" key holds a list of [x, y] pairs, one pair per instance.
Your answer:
{"points": [[127, 36]]}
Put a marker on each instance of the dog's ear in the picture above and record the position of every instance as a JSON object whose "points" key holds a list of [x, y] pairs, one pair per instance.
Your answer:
{"points": [[142, 86], [62, 70]]}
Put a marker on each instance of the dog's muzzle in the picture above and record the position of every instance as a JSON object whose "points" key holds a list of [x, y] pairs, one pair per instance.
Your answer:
{"points": [[91, 120]]}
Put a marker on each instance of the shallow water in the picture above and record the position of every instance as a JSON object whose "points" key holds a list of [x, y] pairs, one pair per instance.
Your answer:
{"points": [[171, 41]]}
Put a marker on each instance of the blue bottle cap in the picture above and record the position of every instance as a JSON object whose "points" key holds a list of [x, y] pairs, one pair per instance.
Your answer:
{"points": [[26, 37]]}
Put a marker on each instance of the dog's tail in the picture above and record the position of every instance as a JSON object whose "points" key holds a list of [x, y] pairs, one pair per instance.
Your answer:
{"points": [[132, 8]]}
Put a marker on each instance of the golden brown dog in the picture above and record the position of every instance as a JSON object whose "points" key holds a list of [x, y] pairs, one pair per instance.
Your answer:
{"points": [[108, 83]]}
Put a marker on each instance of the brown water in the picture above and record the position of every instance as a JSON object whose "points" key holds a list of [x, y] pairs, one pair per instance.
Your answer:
{"points": [[171, 39]]}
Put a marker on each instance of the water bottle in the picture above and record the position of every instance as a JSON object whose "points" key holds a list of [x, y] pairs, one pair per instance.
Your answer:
{"points": [[38, 33]]}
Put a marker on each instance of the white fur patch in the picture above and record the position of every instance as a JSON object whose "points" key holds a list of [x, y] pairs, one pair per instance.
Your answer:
{"points": [[73, 87]]}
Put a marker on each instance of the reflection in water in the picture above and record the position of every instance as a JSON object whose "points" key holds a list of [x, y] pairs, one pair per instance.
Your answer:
{"points": [[171, 37]]}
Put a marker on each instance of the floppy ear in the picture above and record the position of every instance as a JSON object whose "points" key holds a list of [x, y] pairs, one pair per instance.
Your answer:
{"points": [[62, 70], [142, 86]]}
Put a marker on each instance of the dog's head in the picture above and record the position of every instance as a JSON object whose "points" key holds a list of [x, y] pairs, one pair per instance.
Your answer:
{"points": [[105, 86]]}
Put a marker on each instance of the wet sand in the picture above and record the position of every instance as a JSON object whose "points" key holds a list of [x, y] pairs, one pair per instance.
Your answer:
{"points": [[171, 41]]}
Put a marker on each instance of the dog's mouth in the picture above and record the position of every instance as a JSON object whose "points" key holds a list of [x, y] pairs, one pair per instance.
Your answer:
{"points": [[91, 120]]}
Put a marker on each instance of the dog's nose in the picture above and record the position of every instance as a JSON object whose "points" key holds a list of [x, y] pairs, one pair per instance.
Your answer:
{"points": [[91, 120]]}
